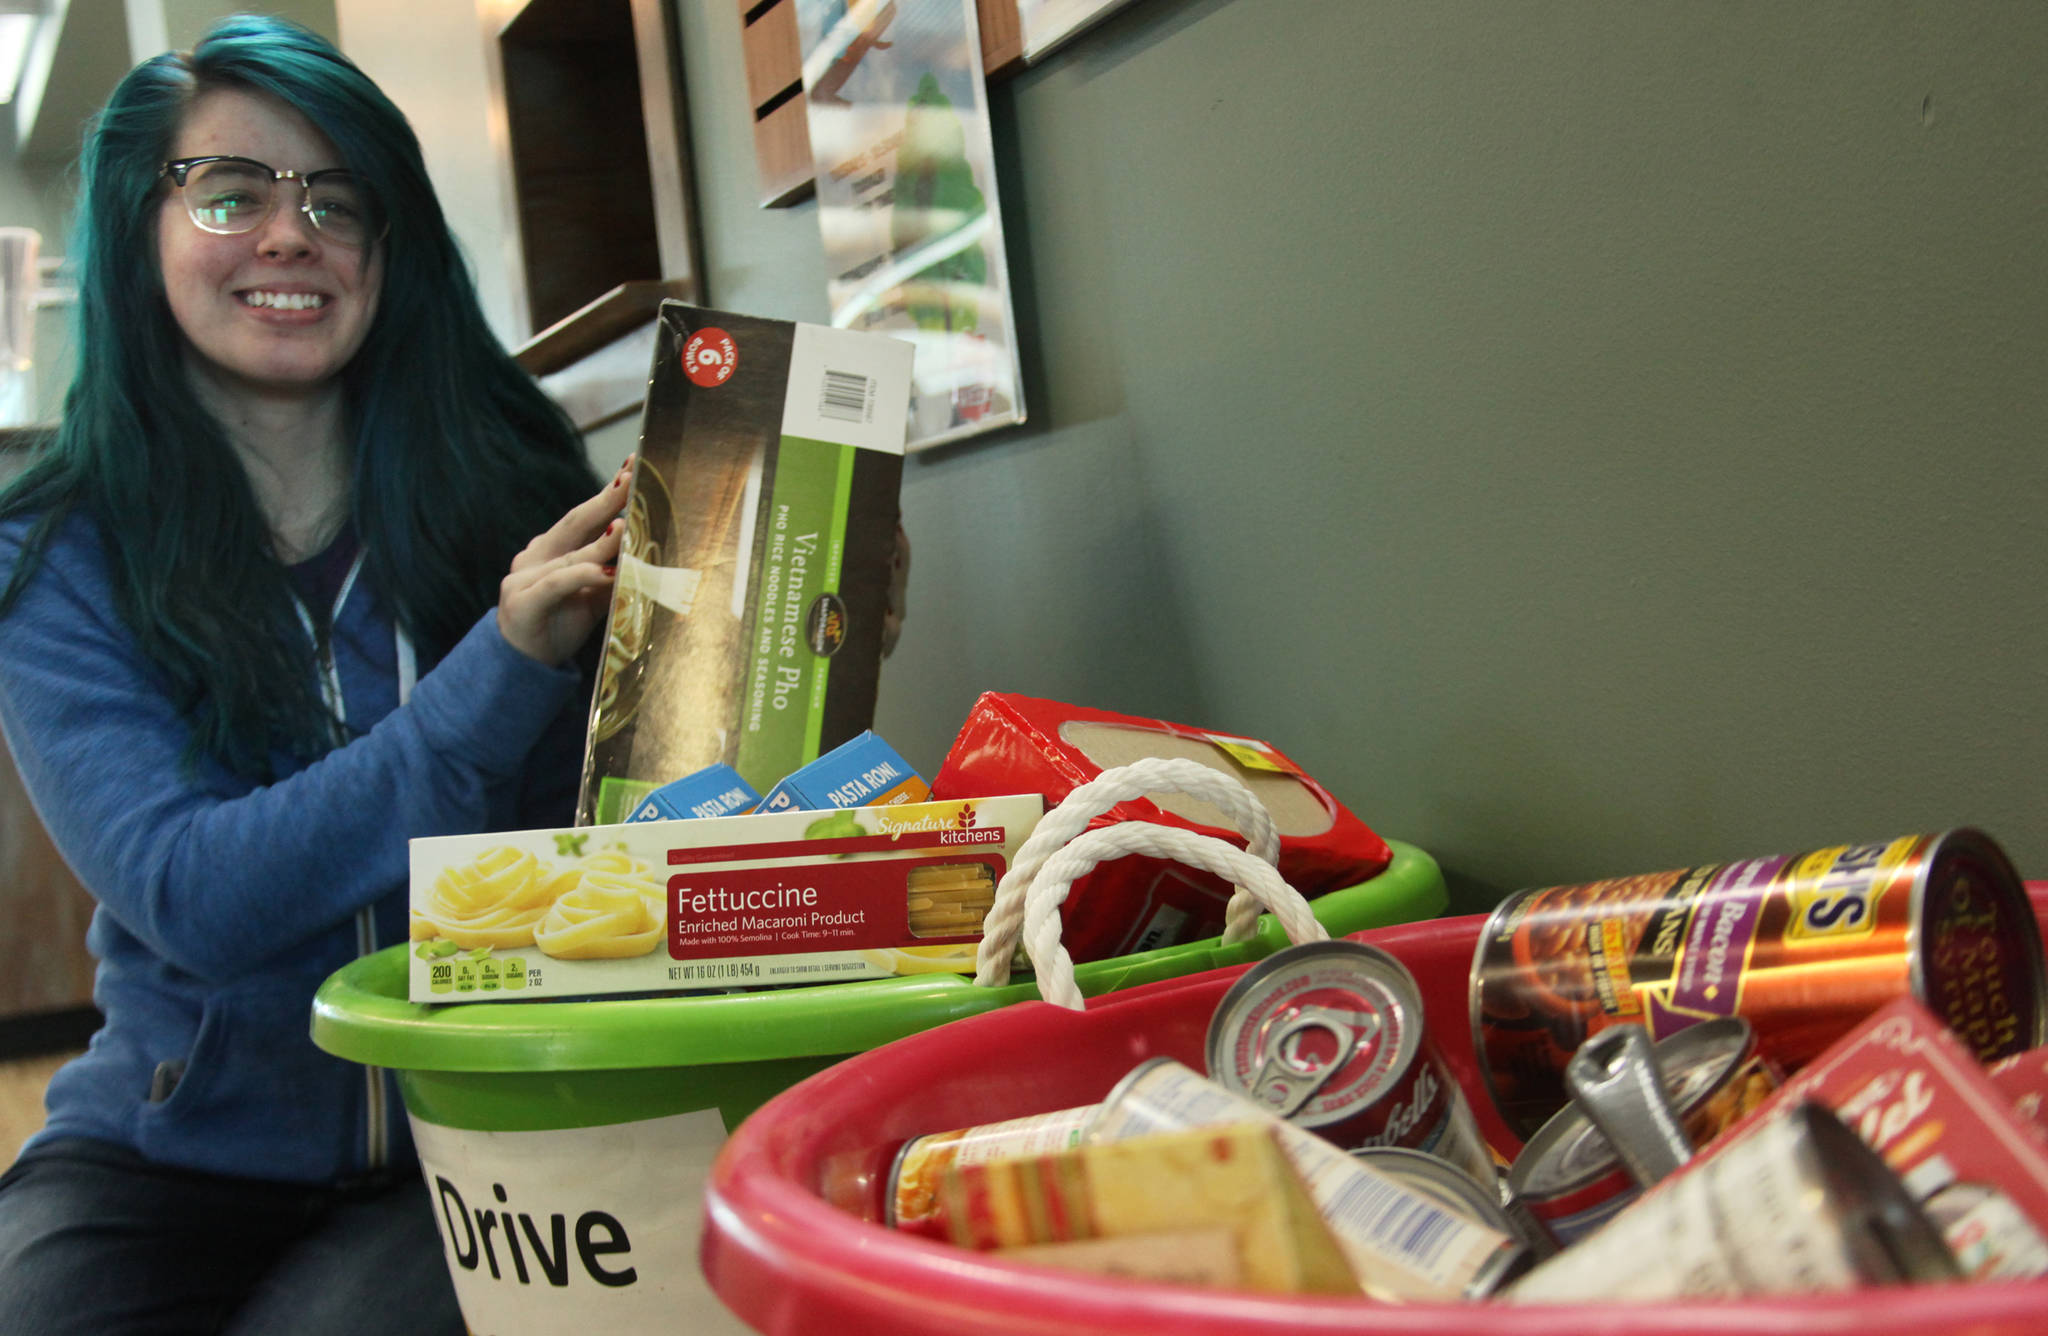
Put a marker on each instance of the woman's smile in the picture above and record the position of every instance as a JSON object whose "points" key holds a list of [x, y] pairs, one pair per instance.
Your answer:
{"points": [[279, 309]]}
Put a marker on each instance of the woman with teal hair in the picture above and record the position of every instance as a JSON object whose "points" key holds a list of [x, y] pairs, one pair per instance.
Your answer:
{"points": [[271, 605]]}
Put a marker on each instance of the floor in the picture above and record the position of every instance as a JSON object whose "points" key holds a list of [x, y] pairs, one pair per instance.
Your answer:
{"points": [[21, 1099]]}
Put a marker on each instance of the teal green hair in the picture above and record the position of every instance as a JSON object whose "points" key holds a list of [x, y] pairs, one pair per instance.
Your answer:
{"points": [[458, 458]]}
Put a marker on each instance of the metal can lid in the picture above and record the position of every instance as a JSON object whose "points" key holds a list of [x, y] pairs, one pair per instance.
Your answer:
{"points": [[1316, 1030], [1117, 1092], [1568, 1150], [1976, 958]]}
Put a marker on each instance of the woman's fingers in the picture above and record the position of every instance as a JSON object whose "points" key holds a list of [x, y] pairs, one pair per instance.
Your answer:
{"points": [[576, 528], [551, 611], [556, 591]]}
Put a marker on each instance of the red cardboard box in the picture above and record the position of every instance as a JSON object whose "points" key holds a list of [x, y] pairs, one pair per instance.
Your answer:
{"points": [[1021, 744], [2024, 1079], [1918, 1095]]}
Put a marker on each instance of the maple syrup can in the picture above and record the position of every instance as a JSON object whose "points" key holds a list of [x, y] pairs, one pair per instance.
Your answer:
{"points": [[1568, 1180], [1800, 1206], [1802, 946], [1330, 1036]]}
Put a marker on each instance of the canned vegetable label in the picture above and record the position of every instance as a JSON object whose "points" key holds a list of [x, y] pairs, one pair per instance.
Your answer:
{"points": [[911, 1196]]}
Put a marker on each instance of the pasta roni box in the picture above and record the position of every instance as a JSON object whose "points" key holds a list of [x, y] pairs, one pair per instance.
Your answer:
{"points": [[710, 903], [746, 622]]}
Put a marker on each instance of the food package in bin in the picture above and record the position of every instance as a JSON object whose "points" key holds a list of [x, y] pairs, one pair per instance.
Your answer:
{"points": [[2024, 1079], [714, 902], [1917, 1094], [1021, 744], [865, 772], [1182, 1185], [746, 624]]}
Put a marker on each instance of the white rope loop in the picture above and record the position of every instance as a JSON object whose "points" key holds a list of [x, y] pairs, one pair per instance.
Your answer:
{"points": [[1156, 774], [1049, 891]]}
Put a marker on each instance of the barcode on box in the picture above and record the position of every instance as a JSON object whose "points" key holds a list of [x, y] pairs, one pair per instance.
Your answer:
{"points": [[845, 396]]}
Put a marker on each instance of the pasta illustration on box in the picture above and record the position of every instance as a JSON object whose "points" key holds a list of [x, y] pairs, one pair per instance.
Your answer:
{"points": [[710, 903]]}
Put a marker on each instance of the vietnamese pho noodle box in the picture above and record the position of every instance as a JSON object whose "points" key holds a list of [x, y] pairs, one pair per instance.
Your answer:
{"points": [[746, 623]]}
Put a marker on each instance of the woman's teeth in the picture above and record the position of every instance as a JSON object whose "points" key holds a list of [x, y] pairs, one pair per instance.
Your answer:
{"points": [[285, 301]]}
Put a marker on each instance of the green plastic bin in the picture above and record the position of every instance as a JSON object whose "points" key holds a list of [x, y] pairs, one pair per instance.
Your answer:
{"points": [[566, 1143]]}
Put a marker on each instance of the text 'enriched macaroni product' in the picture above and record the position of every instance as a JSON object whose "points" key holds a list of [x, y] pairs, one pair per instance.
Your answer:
{"points": [[709, 903]]}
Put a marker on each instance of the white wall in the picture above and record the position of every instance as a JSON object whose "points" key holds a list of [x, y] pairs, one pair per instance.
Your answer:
{"points": [[428, 56]]}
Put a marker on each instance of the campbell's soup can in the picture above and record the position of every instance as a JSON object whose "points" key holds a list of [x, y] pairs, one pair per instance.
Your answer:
{"points": [[1568, 1180], [1802, 946], [1331, 1036]]}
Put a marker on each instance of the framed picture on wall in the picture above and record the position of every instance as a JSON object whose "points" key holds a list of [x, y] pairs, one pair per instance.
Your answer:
{"points": [[1047, 23], [906, 190]]}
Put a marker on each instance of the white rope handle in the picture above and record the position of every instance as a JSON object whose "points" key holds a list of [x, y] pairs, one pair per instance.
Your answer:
{"points": [[1049, 890], [1157, 774]]}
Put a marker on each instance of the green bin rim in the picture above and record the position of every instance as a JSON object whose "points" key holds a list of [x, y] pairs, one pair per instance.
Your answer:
{"points": [[361, 1012]]}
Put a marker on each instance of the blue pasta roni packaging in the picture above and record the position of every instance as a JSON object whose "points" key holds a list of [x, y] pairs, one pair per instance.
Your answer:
{"points": [[865, 772], [716, 790]]}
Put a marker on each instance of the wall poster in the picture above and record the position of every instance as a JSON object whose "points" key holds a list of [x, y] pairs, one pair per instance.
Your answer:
{"points": [[1047, 23], [907, 201]]}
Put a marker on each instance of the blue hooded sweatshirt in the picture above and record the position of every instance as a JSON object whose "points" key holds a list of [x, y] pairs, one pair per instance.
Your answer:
{"points": [[224, 904]]}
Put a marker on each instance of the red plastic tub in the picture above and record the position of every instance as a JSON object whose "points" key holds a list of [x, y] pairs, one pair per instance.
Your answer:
{"points": [[788, 1262]]}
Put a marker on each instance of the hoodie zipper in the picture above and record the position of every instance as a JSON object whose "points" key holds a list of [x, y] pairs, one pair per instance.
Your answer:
{"points": [[377, 1120]]}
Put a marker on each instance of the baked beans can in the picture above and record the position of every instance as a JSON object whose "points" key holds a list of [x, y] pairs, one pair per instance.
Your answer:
{"points": [[1802, 946], [1331, 1036], [1401, 1243], [910, 1197], [1801, 1206], [1569, 1180]]}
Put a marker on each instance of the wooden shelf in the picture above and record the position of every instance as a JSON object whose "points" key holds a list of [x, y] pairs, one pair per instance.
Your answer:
{"points": [[584, 331]]}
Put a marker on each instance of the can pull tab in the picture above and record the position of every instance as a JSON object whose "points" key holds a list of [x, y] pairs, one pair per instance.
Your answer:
{"points": [[1615, 1080], [1288, 1077]]}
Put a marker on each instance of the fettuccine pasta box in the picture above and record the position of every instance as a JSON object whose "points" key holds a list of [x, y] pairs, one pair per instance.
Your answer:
{"points": [[713, 903], [746, 623]]}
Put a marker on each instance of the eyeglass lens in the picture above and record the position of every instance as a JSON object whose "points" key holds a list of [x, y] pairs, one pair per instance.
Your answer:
{"points": [[234, 197]]}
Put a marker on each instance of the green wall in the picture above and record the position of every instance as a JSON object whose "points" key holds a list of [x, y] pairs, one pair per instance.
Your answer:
{"points": [[1592, 437]]}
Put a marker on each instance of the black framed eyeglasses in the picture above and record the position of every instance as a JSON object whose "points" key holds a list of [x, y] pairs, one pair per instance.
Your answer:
{"points": [[229, 196]]}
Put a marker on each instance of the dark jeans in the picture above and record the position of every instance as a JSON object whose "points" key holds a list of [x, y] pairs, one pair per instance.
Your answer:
{"points": [[96, 1240]]}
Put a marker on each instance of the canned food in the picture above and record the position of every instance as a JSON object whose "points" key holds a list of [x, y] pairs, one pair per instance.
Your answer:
{"points": [[1402, 1244], [1441, 1181], [1803, 947], [1331, 1036], [1800, 1207], [911, 1197], [1569, 1180]]}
